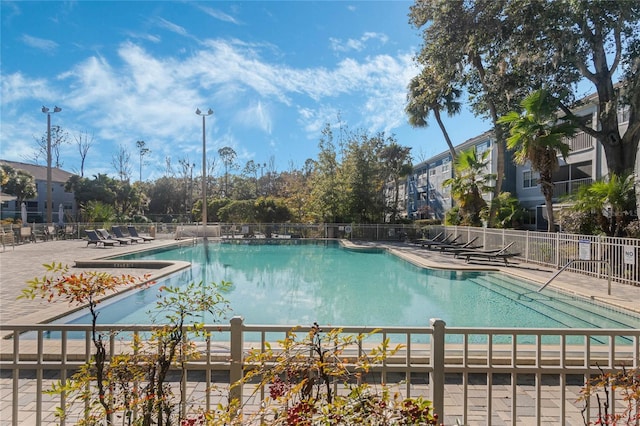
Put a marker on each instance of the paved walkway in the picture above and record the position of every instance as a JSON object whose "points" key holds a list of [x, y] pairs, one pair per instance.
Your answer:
{"points": [[24, 262]]}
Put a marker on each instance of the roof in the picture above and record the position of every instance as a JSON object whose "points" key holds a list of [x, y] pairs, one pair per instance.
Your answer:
{"points": [[39, 173]]}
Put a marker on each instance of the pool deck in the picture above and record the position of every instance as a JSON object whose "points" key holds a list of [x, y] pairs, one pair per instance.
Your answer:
{"points": [[23, 262]]}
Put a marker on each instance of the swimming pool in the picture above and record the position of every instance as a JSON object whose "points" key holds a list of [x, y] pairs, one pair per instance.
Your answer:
{"points": [[297, 284]]}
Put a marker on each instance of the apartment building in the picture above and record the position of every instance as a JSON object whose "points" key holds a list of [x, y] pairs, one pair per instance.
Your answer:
{"points": [[36, 207], [427, 198]]}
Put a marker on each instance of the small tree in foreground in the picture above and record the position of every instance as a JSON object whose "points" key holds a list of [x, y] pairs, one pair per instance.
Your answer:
{"points": [[626, 383], [133, 383]]}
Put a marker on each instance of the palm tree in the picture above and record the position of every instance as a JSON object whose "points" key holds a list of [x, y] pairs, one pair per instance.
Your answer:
{"points": [[470, 181], [611, 200], [538, 137], [432, 92]]}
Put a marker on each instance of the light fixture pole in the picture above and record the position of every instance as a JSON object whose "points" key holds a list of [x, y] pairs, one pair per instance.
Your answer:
{"points": [[204, 171], [49, 195]]}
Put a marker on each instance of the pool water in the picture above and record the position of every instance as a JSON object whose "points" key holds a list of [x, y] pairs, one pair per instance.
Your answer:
{"points": [[298, 284]]}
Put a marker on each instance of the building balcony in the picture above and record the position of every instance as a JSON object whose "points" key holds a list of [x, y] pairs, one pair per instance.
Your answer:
{"points": [[565, 187], [579, 142]]}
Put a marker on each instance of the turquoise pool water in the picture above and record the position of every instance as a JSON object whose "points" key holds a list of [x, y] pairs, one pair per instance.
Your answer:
{"points": [[298, 284]]}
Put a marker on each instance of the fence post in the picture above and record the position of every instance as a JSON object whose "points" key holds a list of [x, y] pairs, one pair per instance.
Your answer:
{"points": [[436, 379], [235, 372]]}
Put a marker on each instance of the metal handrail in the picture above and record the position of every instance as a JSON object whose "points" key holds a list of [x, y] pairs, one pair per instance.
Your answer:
{"points": [[571, 262]]}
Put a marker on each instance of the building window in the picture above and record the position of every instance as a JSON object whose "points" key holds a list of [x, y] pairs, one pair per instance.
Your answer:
{"points": [[445, 168], [432, 172], [529, 179], [432, 194]]}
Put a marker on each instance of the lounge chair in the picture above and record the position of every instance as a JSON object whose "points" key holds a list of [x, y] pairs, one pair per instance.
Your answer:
{"points": [[450, 248], [446, 241], [488, 254], [105, 235], [95, 239], [134, 233], [118, 233], [438, 237]]}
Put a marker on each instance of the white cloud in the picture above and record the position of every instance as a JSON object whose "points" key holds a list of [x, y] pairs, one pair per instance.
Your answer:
{"points": [[359, 44], [218, 14], [256, 115], [17, 87], [40, 43], [170, 26]]}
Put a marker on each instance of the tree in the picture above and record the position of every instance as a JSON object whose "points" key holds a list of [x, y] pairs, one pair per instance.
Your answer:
{"points": [[228, 156], [460, 43], [469, 182], [537, 137], [84, 141], [251, 169], [396, 165], [121, 162], [610, 200], [361, 169], [327, 189], [144, 151], [19, 183], [432, 92], [59, 137], [600, 40]]}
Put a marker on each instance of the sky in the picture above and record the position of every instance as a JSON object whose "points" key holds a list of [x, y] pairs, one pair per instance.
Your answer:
{"points": [[274, 73]]}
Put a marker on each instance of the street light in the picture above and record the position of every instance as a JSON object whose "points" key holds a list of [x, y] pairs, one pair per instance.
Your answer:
{"points": [[49, 201], [204, 171]]}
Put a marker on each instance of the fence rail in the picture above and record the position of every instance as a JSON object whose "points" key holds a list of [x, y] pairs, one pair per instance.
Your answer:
{"points": [[432, 355]]}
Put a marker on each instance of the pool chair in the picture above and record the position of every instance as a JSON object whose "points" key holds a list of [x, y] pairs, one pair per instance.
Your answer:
{"points": [[105, 235], [134, 233], [496, 254], [117, 231], [447, 241], [95, 239], [438, 237], [451, 248]]}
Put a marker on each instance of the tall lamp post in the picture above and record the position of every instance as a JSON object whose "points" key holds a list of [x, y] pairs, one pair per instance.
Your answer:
{"points": [[204, 171], [45, 110]]}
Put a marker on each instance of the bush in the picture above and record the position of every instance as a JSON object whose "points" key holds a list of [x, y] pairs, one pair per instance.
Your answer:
{"points": [[633, 229], [578, 222]]}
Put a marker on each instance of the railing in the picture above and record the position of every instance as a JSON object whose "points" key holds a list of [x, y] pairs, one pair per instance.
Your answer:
{"points": [[571, 262], [450, 366], [565, 187], [579, 142], [556, 249]]}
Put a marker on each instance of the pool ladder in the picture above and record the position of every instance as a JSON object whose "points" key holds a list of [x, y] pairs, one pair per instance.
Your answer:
{"points": [[571, 262]]}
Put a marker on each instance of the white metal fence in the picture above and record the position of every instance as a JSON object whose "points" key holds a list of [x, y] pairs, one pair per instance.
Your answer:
{"points": [[530, 375]]}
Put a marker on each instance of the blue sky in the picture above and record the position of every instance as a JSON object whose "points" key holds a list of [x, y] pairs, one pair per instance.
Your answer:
{"points": [[273, 72]]}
